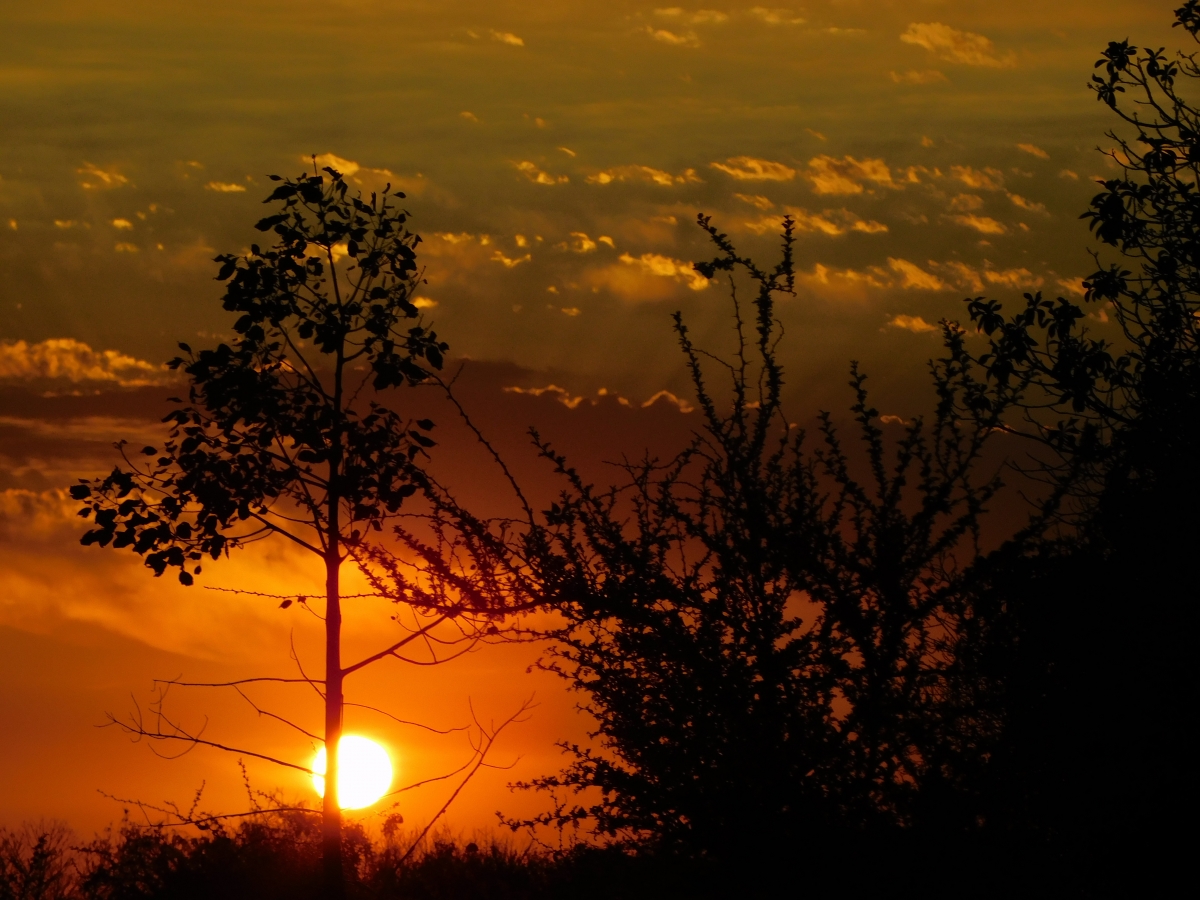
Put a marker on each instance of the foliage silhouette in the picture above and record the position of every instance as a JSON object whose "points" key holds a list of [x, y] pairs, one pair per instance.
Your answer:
{"points": [[282, 435]]}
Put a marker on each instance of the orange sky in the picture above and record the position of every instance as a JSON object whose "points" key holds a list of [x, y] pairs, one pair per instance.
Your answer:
{"points": [[556, 155]]}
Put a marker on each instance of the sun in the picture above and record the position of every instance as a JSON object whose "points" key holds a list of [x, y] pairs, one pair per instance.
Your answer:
{"points": [[366, 772]]}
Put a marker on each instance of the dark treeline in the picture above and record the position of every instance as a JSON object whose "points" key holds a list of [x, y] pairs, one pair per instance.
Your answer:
{"points": [[803, 663]]}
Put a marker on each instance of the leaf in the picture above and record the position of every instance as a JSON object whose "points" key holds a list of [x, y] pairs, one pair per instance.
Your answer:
{"points": [[285, 604]]}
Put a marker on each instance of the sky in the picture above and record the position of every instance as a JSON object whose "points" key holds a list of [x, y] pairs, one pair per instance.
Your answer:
{"points": [[555, 156]]}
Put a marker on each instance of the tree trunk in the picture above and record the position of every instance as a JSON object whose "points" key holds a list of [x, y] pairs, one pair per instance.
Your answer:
{"points": [[331, 813]]}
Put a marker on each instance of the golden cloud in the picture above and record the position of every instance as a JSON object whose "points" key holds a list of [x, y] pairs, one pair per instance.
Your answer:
{"points": [[666, 267], [913, 277], [99, 179], [982, 224], [682, 405], [756, 200], [1018, 200], [748, 168], [227, 187], [833, 222], [915, 324], [537, 176], [847, 175], [1014, 278], [776, 16], [507, 37], [663, 36], [75, 361], [1033, 150], [956, 46], [641, 173], [987, 179]]}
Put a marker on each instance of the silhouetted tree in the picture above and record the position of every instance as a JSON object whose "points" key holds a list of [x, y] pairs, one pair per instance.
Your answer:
{"points": [[281, 436], [761, 631], [1090, 640]]}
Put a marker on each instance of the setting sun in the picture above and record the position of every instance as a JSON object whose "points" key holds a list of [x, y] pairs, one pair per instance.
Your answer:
{"points": [[366, 772]]}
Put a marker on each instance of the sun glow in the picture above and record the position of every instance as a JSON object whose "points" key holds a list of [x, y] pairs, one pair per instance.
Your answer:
{"points": [[366, 772]]}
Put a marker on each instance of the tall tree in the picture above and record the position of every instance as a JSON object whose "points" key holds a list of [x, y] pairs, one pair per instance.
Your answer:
{"points": [[1091, 638], [280, 436]]}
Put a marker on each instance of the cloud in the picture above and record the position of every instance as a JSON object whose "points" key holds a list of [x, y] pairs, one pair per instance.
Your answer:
{"points": [[642, 173], [469, 116], [571, 311], [771, 16], [833, 222], [666, 396], [929, 76], [125, 247], [568, 151], [966, 203], [987, 179], [99, 179], [846, 175], [663, 36], [982, 224], [956, 46], [1018, 200], [227, 187], [1013, 278], [1072, 286], [913, 277], [666, 267], [1067, 173], [1034, 150], [75, 361], [537, 176], [498, 256], [915, 324], [756, 200], [699, 17], [562, 395], [345, 166], [424, 303], [747, 168], [122, 224], [507, 37], [964, 276]]}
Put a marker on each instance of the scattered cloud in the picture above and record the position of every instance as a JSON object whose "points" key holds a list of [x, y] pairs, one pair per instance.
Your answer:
{"points": [[832, 222], [666, 396], [956, 46], [346, 166], [697, 17], [820, 137], [987, 179], [469, 116], [1072, 286], [75, 361], [663, 36], [424, 303], [915, 324], [966, 203], [571, 311], [847, 175], [498, 256], [122, 224], [913, 277], [748, 168], [771, 16], [643, 173], [982, 224], [1033, 150], [666, 267], [226, 187], [928, 76], [926, 141], [568, 151], [1018, 200], [507, 37], [582, 243], [1013, 278], [964, 276], [562, 395], [95, 178], [124, 247], [756, 200], [1067, 173], [537, 176]]}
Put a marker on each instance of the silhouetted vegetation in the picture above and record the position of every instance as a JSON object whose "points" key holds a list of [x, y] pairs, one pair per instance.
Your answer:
{"points": [[800, 659]]}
